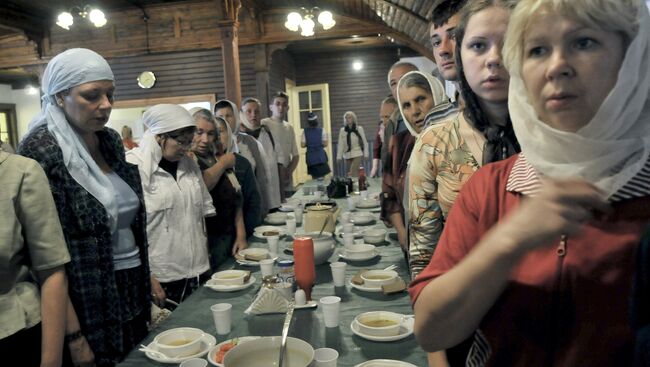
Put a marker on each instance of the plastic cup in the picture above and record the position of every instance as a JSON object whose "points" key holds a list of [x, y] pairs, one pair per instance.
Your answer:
{"points": [[345, 217], [222, 314], [348, 228], [291, 226], [351, 204], [200, 362], [348, 239], [331, 306], [273, 244], [297, 213], [338, 273], [266, 267], [325, 357], [364, 194]]}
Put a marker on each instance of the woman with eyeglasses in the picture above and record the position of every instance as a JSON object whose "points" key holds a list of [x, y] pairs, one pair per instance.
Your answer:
{"points": [[177, 202]]}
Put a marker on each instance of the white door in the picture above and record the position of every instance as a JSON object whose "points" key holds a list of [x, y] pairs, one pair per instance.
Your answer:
{"points": [[304, 99]]}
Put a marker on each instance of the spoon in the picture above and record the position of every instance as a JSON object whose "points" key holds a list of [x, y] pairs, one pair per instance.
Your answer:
{"points": [[144, 348], [327, 218]]}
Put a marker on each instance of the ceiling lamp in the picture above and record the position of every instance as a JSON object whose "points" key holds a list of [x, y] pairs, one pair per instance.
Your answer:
{"points": [[94, 15], [304, 21]]}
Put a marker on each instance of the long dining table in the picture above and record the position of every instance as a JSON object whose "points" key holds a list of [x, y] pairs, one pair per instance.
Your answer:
{"points": [[307, 324]]}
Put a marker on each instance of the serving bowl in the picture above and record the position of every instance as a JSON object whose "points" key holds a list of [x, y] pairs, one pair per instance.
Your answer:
{"points": [[179, 342], [377, 278], [264, 351], [359, 251], [374, 235], [230, 277], [379, 323], [323, 246]]}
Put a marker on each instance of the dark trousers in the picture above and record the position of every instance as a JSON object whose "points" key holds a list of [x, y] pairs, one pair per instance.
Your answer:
{"points": [[179, 290], [22, 348]]}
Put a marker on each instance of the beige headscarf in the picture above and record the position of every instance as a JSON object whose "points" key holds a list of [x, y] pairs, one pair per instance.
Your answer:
{"points": [[440, 98], [614, 146]]}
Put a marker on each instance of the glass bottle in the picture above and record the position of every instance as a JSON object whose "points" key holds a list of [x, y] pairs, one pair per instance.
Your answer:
{"points": [[363, 186]]}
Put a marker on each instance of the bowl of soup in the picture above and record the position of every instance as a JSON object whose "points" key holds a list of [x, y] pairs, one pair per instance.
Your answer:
{"points": [[377, 278], [230, 277], [374, 235], [379, 323], [179, 342], [265, 351], [359, 251]]}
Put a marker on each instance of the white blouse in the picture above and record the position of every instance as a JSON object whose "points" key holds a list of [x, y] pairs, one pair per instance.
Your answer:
{"points": [[175, 221]]}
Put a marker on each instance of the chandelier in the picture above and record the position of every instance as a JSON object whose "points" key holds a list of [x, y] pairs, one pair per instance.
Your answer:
{"points": [[304, 21], [94, 15]]}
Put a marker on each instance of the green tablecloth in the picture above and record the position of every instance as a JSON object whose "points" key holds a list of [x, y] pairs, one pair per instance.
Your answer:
{"points": [[307, 324]]}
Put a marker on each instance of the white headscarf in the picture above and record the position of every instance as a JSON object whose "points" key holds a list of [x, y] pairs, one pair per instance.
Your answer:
{"points": [[614, 146], [159, 119], [235, 112], [440, 99], [229, 149], [67, 70]]}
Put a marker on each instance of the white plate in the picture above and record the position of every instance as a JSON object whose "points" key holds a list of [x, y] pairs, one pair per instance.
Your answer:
{"points": [[275, 219], [261, 229], [208, 342], [367, 204], [211, 283], [365, 288], [287, 208], [371, 256], [250, 262], [405, 330], [310, 304], [214, 350], [385, 363], [362, 218]]}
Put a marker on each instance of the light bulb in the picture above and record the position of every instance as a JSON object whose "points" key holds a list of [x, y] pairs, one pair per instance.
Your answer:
{"points": [[307, 25], [293, 21], [357, 65], [31, 90], [64, 20], [97, 18], [326, 20]]}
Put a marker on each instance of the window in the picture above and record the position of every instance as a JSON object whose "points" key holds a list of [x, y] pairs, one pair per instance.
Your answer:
{"points": [[8, 125]]}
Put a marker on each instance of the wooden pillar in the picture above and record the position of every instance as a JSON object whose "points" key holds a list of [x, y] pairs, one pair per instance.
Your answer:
{"points": [[262, 78], [230, 56], [229, 29]]}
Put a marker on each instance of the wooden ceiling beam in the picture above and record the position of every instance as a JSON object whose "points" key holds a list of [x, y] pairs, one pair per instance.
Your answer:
{"points": [[24, 22]]}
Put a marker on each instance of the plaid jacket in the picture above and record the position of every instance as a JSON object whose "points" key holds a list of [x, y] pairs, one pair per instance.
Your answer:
{"points": [[91, 279]]}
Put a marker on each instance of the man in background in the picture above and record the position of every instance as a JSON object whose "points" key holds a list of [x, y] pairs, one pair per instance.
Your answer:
{"points": [[285, 141]]}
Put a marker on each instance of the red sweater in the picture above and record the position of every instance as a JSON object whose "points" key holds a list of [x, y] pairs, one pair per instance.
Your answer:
{"points": [[569, 310]]}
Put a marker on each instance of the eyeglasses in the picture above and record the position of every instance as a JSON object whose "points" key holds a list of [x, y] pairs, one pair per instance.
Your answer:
{"points": [[181, 143]]}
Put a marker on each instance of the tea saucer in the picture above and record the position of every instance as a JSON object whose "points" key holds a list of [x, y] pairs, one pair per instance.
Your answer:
{"points": [[229, 287], [405, 330], [374, 254], [211, 357], [385, 363], [208, 341], [365, 288]]}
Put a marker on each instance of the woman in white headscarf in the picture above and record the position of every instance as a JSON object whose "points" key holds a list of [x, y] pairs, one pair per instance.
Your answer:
{"points": [[352, 145], [177, 202], [231, 184], [539, 250], [98, 196], [247, 146]]}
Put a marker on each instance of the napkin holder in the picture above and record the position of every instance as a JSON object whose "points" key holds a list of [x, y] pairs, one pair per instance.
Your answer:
{"points": [[316, 215], [268, 301]]}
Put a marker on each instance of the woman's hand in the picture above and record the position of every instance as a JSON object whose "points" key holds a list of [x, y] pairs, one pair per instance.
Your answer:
{"points": [[240, 244], [561, 208], [81, 353], [157, 292], [227, 160]]}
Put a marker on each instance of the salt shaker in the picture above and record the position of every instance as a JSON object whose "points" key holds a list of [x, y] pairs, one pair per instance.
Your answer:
{"points": [[300, 297]]}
